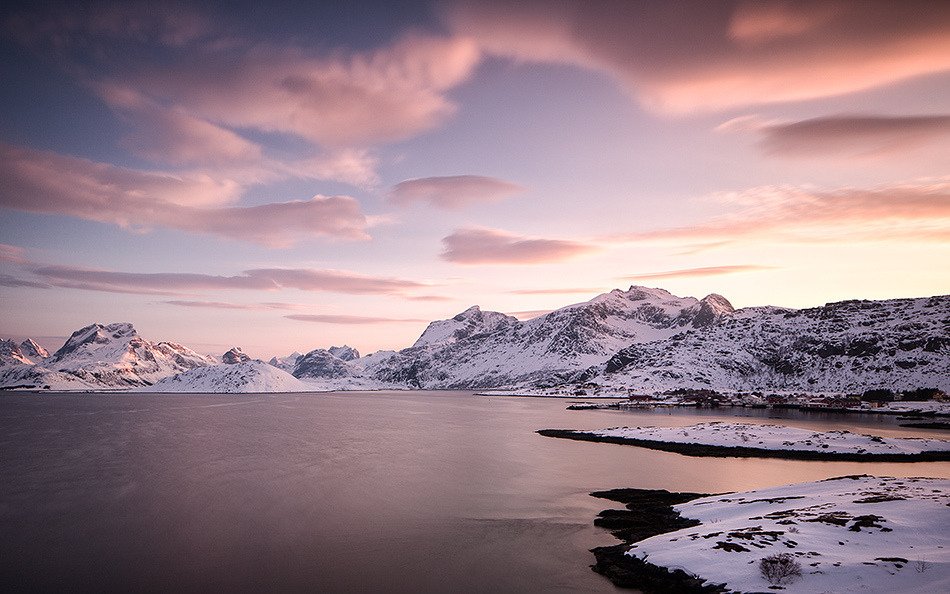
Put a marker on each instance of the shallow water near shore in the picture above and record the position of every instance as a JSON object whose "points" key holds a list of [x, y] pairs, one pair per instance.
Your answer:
{"points": [[357, 492]]}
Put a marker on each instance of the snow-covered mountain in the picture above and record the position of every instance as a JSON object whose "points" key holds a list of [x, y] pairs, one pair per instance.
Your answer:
{"points": [[110, 356], [234, 355], [12, 354], [323, 364], [240, 376], [641, 339], [478, 349], [285, 363], [847, 346]]}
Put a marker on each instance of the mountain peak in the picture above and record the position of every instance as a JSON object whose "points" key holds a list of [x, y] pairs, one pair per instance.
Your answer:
{"points": [[345, 352], [31, 349], [233, 356]]}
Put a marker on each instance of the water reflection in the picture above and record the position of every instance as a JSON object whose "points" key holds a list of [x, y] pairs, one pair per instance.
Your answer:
{"points": [[384, 491]]}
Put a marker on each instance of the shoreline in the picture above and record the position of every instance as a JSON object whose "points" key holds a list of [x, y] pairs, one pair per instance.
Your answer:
{"points": [[648, 513], [714, 451]]}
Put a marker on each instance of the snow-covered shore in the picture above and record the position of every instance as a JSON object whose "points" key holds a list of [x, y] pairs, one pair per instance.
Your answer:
{"points": [[779, 437], [749, 439], [848, 534]]}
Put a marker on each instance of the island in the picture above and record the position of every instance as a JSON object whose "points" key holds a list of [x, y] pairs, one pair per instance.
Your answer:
{"points": [[722, 439]]}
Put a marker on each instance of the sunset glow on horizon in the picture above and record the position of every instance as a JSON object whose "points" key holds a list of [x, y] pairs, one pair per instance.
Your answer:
{"points": [[291, 176]]}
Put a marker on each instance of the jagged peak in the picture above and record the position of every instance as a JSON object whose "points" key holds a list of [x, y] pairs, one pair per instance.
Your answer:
{"points": [[31, 349], [235, 355], [468, 313], [345, 352], [718, 303]]}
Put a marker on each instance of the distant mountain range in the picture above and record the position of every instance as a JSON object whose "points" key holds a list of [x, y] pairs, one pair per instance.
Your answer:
{"points": [[642, 340]]}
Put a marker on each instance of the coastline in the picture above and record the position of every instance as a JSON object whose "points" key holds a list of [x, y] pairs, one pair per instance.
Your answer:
{"points": [[648, 513], [715, 451]]}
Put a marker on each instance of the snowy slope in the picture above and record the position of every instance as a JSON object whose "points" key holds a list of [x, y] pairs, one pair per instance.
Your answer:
{"points": [[285, 363], [477, 349], [109, 357], [849, 534], [12, 354], [840, 347], [244, 376], [36, 377]]}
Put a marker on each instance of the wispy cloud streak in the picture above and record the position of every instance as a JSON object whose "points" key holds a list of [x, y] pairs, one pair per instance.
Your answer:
{"points": [[452, 192], [699, 272], [47, 183], [492, 246], [349, 320]]}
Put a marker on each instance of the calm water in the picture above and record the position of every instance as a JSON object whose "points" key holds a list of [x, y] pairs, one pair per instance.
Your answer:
{"points": [[357, 492]]}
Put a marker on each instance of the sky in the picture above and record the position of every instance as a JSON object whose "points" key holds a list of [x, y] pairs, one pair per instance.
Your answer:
{"points": [[285, 176]]}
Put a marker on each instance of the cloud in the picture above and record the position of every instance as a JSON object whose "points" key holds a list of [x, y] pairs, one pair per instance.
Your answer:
{"points": [[342, 100], [7, 280], [558, 291], [917, 210], [531, 313], [348, 320], [84, 26], [261, 279], [492, 246], [852, 135], [171, 135], [452, 192], [47, 183], [694, 272], [702, 56], [270, 305], [185, 80], [12, 253]]}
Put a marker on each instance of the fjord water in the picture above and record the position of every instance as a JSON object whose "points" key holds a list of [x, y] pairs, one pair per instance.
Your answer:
{"points": [[356, 492]]}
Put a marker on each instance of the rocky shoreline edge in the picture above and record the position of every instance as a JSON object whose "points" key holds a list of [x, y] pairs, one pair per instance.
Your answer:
{"points": [[648, 512], [702, 450]]}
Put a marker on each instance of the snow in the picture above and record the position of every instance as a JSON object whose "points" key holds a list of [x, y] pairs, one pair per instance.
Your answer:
{"points": [[245, 376], [900, 545], [778, 437]]}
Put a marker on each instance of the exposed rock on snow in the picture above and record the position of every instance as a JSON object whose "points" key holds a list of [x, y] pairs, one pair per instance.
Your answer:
{"points": [[849, 534], [33, 351], [12, 354], [323, 364], [478, 349], [106, 357], [840, 347], [235, 355], [345, 353], [285, 363]]}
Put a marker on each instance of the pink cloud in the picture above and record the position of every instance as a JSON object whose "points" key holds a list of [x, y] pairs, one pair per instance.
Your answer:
{"points": [[852, 135], [262, 279], [7, 280], [349, 320], [919, 211], [491, 246], [699, 272], [452, 192], [384, 95], [241, 306], [557, 291], [12, 253], [48, 183], [709, 56], [171, 135]]}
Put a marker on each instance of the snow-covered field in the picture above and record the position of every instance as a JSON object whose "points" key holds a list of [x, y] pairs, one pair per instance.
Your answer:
{"points": [[778, 437], [849, 534]]}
